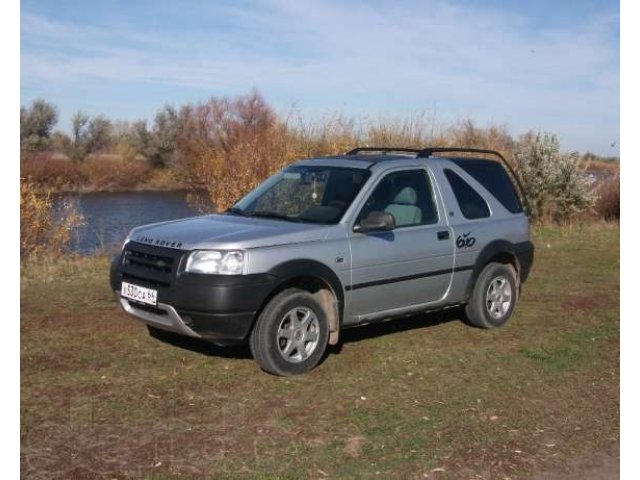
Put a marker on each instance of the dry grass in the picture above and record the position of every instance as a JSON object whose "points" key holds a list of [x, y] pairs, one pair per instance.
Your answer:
{"points": [[608, 202], [43, 231], [110, 173], [426, 395], [51, 172], [106, 172]]}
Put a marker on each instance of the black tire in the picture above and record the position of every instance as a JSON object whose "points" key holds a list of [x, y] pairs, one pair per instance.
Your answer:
{"points": [[479, 310], [269, 348]]}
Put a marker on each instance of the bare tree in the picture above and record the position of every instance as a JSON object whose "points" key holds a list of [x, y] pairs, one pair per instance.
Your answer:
{"points": [[78, 147], [36, 124], [98, 134], [162, 141]]}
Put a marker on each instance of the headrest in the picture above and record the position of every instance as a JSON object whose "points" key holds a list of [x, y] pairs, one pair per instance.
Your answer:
{"points": [[406, 196]]}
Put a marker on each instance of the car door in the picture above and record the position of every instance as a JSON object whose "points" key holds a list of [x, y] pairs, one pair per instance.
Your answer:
{"points": [[410, 265]]}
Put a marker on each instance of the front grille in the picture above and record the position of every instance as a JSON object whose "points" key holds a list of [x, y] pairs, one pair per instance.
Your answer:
{"points": [[127, 277], [157, 263], [150, 265]]}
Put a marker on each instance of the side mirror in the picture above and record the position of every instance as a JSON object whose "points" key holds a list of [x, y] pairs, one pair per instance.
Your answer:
{"points": [[376, 222]]}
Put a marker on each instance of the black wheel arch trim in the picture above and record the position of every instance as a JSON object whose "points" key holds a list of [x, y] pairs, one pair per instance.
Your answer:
{"points": [[522, 252], [292, 269]]}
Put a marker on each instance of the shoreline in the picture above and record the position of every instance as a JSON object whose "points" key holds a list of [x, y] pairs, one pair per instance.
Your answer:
{"points": [[138, 189]]}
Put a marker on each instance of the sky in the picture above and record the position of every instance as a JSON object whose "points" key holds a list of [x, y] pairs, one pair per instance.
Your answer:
{"points": [[528, 65]]}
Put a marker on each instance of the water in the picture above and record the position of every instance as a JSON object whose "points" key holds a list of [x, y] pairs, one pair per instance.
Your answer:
{"points": [[110, 216]]}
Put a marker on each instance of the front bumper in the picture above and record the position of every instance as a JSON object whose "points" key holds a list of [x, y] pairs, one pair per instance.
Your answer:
{"points": [[162, 316], [217, 308]]}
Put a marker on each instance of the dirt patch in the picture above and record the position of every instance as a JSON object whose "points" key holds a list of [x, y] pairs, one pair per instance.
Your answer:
{"points": [[353, 446], [595, 466], [585, 302]]}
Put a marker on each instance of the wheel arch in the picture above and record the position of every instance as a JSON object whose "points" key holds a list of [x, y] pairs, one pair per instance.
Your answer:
{"points": [[318, 279], [499, 251]]}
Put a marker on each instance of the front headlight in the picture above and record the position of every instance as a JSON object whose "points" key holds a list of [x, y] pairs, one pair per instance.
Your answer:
{"points": [[214, 261]]}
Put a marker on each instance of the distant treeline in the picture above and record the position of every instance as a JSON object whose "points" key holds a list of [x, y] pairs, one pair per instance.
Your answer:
{"points": [[226, 146], [157, 141]]}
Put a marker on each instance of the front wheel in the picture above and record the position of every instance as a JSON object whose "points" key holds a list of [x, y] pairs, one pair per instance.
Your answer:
{"points": [[291, 334], [494, 296]]}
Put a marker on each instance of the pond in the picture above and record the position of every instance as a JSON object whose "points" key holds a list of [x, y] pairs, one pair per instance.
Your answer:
{"points": [[109, 216]]}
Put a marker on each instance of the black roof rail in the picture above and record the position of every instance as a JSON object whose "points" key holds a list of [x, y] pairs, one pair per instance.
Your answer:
{"points": [[358, 150], [428, 152]]}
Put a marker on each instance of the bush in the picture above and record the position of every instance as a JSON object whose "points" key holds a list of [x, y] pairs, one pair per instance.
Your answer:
{"points": [[608, 203], [36, 123], [127, 150], [47, 172], [227, 147], [41, 231], [112, 172], [51, 172], [556, 188]]}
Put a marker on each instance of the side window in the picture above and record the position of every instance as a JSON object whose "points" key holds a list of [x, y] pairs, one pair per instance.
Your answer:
{"points": [[472, 205], [408, 196], [494, 178]]}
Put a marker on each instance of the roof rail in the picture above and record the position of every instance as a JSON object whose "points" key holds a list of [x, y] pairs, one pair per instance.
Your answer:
{"points": [[428, 152], [358, 150]]}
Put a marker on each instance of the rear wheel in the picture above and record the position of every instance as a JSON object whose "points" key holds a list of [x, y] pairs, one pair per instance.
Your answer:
{"points": [[291, 334], [494, 296]]}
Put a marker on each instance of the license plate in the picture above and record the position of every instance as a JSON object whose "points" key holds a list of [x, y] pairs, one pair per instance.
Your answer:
{"points": [[139, 294]]}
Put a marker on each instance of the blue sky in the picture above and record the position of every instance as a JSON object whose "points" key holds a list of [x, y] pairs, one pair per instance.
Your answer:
{"points": [[541, 65]]}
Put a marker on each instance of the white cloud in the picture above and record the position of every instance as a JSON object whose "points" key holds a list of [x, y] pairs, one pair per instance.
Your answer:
{"points": [[470, 61]]}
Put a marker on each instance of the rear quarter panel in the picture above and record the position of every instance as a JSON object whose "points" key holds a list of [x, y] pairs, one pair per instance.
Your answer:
{"points": [[471, 236]]}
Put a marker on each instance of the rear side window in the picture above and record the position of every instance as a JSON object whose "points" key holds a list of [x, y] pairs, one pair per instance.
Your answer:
{"points": [[472, 205], [493, 177]]}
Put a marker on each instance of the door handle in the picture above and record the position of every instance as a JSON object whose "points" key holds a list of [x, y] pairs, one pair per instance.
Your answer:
{"points": [[443, 235]]}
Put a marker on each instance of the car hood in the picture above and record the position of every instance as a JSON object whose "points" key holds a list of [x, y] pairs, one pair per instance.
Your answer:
{"points": [[226, 232]]}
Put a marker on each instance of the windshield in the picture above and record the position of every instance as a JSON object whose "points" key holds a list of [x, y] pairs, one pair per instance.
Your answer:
{"points": [[313, 194]]}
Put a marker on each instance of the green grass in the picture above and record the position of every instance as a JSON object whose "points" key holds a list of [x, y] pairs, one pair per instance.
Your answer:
{"points": [[99, 397]]}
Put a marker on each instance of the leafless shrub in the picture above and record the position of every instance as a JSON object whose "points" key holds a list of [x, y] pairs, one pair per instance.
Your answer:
{"points": [[104, 172], [608, 203], [227, 147], [467, 134], [41, 231], [46, 171]]}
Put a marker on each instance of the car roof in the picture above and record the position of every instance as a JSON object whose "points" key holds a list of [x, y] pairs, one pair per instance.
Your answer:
{"points": [[355, 161], [371, 157], [367, 161]]}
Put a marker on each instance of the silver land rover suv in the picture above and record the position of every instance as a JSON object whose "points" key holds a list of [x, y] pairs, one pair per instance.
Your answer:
{"points": [[331, 243]]}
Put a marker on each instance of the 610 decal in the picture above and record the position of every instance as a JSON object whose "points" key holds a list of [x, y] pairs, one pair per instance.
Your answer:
{"points": [[465, 240]]}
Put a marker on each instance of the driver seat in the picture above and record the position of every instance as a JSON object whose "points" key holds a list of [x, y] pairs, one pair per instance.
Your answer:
{"points": [[404, 209]]}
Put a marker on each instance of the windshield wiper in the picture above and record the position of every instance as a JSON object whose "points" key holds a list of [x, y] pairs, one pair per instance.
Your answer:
{"points": [[235, 211], [267, 214]]}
